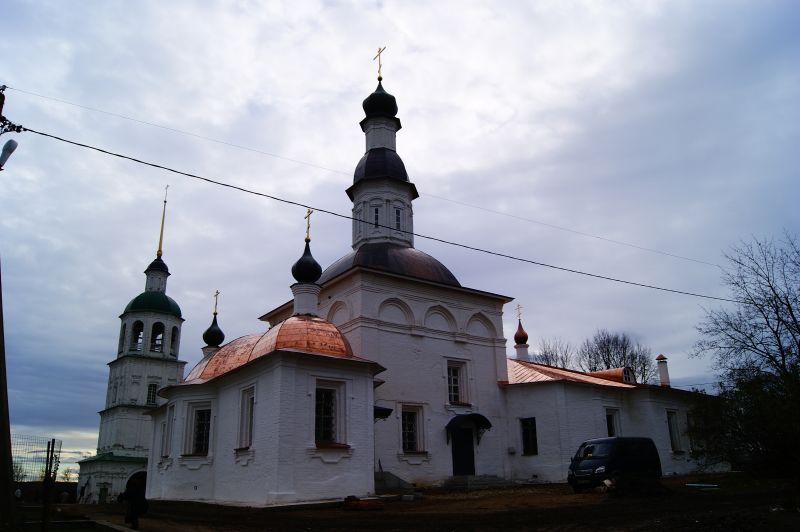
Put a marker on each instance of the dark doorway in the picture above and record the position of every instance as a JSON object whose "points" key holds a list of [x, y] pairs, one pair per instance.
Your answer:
{"points": [[463, 451], [137, 484]]}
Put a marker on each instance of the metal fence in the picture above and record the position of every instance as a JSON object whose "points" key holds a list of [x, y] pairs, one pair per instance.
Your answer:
{"points": [[30, 458]]}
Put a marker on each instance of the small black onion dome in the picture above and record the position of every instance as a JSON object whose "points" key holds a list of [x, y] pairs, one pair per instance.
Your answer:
{"points": [[158, 265], [306, 269], [214, 336], [380, 103], [520, 337]]}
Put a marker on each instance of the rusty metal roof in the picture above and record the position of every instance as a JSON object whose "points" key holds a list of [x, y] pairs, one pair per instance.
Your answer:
{"points": [[520, 372], [302, 334]]}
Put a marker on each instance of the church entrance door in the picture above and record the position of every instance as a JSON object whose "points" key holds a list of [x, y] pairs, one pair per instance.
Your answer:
{"points": [[463, 451]]}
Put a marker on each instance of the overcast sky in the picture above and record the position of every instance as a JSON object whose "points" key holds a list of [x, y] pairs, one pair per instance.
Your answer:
{"points": [[637, 140]]}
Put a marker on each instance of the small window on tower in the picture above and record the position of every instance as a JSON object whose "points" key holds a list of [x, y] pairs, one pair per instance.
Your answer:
{"points": [[397, 219], [157, 338], [173, 342], [122, 338], [151, 393], [376, 216], [137, 336]]}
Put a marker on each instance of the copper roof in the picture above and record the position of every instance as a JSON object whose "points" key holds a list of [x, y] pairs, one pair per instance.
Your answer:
{"points": [[520, 372], [302, 334]]}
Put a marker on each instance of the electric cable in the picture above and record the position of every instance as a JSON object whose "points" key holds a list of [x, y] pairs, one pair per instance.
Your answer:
{"points": [[419, 235], [333, 170]]}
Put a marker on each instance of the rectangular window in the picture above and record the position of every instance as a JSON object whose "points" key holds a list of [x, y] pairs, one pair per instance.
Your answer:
{"points": [[151, 393], [612, 422], [246, 418], [377, 212], [325, 416], [674, 433], [530, 445], [411, 429], [456, 383], [397, 219], [199, 430], [166, 435]]}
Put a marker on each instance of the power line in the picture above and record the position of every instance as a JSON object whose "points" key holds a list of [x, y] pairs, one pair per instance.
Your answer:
{"points": [[333, 213], [320, 167]]}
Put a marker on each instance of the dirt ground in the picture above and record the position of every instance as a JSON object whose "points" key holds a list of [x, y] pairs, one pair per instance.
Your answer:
{"points": [[741, 502]]}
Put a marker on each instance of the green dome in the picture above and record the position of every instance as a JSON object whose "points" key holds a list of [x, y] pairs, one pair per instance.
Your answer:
{"points": [[154, 302]]}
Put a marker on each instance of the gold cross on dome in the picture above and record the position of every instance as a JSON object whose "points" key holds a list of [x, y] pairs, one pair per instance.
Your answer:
{"points": [[216, 300], [519, 311], [308, 224], [378, 57]]}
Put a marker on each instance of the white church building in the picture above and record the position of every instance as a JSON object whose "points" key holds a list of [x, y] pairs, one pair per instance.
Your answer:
{"points": [[382, 365]]}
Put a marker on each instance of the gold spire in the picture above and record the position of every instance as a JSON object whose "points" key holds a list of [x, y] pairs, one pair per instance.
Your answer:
{"points": [[163, 215], [308, 224], [216, 300], [519, 311], [378, 57]]}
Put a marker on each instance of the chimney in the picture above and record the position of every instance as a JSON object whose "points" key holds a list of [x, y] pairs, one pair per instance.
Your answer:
{"points": [[663, 372]]}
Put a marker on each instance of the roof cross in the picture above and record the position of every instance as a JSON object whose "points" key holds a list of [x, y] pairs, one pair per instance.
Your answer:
{"points": [[216, 300], [378, 57], [308, 224], [161, 234], [519, 311]]}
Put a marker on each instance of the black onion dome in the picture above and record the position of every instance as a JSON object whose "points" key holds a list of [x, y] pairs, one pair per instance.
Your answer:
{"points": [[380, 162], [520, 337], [306, 269], [158, 265], [380, 103], [392, 258], [214, 336]]}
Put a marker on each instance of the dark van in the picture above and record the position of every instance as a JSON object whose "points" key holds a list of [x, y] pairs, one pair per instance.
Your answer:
{"points": [[615, 462]]}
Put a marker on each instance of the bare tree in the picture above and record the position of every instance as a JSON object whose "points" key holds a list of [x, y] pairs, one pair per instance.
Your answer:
{"points": [[556, 352], [607, 350], [762, 332], [755, 344], [68, 474]]}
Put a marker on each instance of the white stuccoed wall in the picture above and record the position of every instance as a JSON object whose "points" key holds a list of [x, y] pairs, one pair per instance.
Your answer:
{"points": [[568, 414], [283, 465], [412, 328]]}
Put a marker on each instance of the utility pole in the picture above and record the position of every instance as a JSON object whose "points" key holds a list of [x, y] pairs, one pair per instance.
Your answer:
{"points": [[7, 509]]}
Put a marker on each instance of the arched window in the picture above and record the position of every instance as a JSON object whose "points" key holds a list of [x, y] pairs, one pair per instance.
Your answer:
{"points": [[122, 338], [376, 216], [173, 342], [157, 338], [137, 336]]}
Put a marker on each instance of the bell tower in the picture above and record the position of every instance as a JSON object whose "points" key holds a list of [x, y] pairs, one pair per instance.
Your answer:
{"points": [[381, 192], [146, 360]]}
